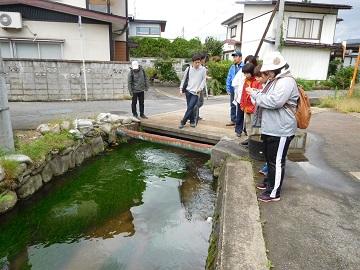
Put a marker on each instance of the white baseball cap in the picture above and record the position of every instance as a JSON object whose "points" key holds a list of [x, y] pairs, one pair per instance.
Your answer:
{"points": [[272, 61], [135, 65]]}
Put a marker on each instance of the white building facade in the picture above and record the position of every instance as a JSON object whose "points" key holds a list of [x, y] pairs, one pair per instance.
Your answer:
{"points": [[146, 28], [307, 34], [52, 30], [233, 35]]}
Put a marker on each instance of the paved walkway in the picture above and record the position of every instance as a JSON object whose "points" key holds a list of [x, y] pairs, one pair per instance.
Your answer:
{"points": [[316, 225]]}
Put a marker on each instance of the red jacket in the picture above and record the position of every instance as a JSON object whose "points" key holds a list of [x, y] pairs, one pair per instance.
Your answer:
{"points": [[245, 102]]}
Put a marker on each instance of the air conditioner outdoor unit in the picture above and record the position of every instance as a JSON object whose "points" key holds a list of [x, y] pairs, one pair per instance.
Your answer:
{"points": [[10, 20]]}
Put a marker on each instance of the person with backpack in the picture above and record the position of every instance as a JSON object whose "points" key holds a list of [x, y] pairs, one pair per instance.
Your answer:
{"points": [[192, 83], [137, 84], [278, 123]]}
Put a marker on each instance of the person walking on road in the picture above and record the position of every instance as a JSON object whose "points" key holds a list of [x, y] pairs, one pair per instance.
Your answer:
{"points": [[192, 83], [137, 85], [278, 122], [234, 69]]}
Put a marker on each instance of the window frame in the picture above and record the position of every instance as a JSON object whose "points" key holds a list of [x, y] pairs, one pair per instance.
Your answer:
{"points": [[231, 31], [311, 28], [13, 49], [148, 32]]}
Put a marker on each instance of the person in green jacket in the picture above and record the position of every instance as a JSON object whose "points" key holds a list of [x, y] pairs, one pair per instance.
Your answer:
{"points": [[137, 85]]}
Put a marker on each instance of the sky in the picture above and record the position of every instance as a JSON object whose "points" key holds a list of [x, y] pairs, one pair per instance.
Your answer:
{"points": [[202, 18]]}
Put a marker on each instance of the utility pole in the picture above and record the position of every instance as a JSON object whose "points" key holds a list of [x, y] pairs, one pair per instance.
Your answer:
{"points": [[6, 133], [279, 25]]}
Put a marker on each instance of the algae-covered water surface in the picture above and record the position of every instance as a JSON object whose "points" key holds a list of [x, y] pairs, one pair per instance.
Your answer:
{"points": [[140, 206]]}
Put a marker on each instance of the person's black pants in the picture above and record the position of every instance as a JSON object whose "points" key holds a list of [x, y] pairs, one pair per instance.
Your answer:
{"points": [[239, 123], [137, 96], [275, 150]]}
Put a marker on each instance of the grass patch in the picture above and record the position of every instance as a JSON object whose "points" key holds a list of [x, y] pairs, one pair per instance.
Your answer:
{"points": [[10, 167], [38, 149], [342, 104]]}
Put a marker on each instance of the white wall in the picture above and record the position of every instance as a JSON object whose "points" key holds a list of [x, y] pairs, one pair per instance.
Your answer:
{"points": [[96, 38], [77, 3], [254, 29], [307, 63]]}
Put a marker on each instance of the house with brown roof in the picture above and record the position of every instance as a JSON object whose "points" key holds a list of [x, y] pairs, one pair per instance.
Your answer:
{"points": [[91, 30], [307, 34]]}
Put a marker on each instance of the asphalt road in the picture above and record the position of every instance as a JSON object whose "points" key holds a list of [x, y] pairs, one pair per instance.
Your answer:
{"points": [[28, 115]]}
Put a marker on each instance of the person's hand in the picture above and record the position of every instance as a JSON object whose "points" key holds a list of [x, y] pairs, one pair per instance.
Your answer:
{"points": [[180, 92], [248, 90]]}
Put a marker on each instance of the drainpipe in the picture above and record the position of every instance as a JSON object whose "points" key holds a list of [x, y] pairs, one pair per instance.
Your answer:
{"points": [[279, 25], [6, 133]]}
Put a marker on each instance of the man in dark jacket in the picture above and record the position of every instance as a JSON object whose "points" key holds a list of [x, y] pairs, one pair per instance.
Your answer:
{"points": [[137, 84]]}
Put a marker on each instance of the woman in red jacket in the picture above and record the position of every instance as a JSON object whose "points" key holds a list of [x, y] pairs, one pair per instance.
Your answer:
{"points": [[246, 103]]}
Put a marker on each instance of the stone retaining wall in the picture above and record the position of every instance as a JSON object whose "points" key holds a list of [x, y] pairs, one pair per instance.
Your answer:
{"points": [[54, 80]]}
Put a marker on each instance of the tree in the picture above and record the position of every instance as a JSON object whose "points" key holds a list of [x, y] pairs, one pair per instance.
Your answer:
{"points": [[213, 47]]}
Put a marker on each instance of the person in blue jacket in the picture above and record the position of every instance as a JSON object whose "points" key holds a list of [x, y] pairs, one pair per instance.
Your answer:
{"points": [[237, 55]]}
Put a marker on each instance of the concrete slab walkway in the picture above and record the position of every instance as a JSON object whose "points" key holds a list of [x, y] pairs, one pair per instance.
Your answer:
{"points": [[316, 225]]}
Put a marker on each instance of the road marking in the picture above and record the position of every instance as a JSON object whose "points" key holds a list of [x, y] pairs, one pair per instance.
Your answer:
{"points": [[356, 175]]}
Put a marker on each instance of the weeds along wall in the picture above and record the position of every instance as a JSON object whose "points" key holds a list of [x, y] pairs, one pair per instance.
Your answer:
{"points": [[53, 80]]}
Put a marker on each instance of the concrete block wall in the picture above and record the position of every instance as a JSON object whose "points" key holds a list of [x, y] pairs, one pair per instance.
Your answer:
{"points": [[53, 80]]}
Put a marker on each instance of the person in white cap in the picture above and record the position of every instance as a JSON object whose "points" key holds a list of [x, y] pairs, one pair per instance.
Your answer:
{"points": [[137, 84], [278, 122]]}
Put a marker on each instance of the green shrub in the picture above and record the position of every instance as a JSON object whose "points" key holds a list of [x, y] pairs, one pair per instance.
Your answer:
{"points": [[342, 78], [166, 71], [215, 87], [218, 71], [334, 66], [151, 73], [306, 84]]}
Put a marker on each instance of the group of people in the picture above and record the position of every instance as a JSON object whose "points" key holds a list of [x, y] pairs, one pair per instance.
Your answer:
{"points": [[262, 97]]}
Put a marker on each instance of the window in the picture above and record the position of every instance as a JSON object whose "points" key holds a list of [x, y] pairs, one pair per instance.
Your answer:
{"points": [[99, 5], [233, 31], [304, 28], [5, 48], [50, 50], [29, 49], [154, 30]]}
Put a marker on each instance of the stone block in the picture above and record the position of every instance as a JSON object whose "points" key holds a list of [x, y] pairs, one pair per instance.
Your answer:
{"points": [[97, 145], [79, 156], [47, 173], [227, 148], [30, 186], [8, 200]]}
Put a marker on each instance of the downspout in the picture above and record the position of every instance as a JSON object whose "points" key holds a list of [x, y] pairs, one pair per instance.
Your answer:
{"points": [[241, 33]]}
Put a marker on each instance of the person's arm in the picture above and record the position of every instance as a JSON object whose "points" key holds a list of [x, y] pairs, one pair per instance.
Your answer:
{"points": [[203, 81], [146, 81], [278, 96], [130, 83], [229, 80]]}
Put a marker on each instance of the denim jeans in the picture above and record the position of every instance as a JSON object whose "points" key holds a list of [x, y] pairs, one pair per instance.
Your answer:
{"points": [[191, 101], [232, 108], [239, 123]]}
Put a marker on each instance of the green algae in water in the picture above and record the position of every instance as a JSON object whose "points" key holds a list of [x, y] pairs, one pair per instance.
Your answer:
{"points": [[100, 202]]}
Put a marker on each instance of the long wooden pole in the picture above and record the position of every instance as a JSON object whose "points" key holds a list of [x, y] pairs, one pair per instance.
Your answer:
{"points": [[267, 28], [352, 85]]}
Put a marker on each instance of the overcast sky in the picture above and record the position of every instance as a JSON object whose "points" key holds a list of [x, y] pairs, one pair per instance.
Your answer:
{"points": [[202, 18]]}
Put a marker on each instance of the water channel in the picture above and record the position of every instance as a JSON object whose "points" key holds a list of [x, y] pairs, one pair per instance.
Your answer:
{"points": [[139, 206]]}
